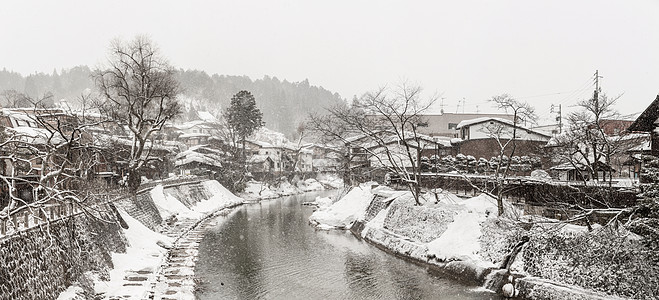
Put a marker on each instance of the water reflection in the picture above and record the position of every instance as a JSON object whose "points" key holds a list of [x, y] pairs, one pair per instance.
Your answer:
{"points": [[269, 251]]}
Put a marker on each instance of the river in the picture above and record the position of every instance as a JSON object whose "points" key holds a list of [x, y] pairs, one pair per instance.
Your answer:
{"points": [[269, 251]]}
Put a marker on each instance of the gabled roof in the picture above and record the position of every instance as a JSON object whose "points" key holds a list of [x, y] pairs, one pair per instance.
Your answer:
{"points": [[646, 121], [255, 159], [500, 120], [483, 120]]}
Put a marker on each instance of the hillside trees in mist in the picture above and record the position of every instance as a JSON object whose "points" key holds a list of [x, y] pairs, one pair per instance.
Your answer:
{"points": [[284, 104]]}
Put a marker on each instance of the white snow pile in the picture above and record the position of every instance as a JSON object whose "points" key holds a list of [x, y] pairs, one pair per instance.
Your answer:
{"points": [[310, 185], [442, 196], [331, 181], [541, 175], [73, 292], [285, 188], [256, 190], [460, 241], [168, 204], [344, 212], [324, 202], [142, 254], [146, 248]]}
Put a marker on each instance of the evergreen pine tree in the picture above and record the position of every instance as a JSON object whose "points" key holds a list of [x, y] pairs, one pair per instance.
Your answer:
{"points": [[243, 117]]}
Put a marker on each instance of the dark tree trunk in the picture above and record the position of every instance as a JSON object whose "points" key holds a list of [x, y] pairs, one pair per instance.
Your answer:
{"points": [[134, 180]]}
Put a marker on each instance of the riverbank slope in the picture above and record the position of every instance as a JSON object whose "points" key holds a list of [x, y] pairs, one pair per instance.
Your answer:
{"points": [[158, 226], [465, 239]]}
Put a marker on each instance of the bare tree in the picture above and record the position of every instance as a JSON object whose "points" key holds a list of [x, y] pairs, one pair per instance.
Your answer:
{"points": [[139, 93], [46, 157], [387, 122], [506, 138]]}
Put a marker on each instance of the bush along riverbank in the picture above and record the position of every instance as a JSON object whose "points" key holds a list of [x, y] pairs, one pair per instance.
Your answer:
{"points": [[512, 255]]}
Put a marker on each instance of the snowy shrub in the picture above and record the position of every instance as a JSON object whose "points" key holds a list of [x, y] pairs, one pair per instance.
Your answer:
{"points": [[610, 259], [419, 223], [498, 239]]}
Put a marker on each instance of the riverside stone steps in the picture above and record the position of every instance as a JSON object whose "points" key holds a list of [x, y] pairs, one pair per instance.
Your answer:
{"points": [[176, 279]]}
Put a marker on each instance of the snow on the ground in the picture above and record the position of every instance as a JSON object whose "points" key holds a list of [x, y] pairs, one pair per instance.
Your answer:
{"points": [[310, 185], [442, 196], [256, 190], [285, 188], [73, 292], [324, 201], [460, 241], [344, 212], [221, 198], [142, 254], [168, 205], [330, 180]]}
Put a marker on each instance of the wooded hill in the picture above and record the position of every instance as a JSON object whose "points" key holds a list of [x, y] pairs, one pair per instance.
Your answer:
{"points": [[284, 104]]}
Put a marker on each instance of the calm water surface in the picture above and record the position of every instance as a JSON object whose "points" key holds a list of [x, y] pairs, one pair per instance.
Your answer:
{"points": [[269, 251]]}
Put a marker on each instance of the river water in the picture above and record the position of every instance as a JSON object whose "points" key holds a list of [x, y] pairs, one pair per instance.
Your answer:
{"points": [[269, 251]]}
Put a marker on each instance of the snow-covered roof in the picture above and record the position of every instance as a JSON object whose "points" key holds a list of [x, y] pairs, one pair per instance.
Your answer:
{"points": [[500, 120], [34, 135], [206, 116], [469, 122], [260, 143], [192, 135], [101, 139], [212, 157], [190, 124], [258, 158]]}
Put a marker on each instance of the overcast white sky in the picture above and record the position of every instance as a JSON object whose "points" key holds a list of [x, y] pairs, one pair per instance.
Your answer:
{"points": [[543, 52]]}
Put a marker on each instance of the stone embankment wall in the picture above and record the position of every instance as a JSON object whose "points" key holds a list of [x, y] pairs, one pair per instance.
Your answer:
{"points": [[556, 266], [142, 208], [42, 261]]}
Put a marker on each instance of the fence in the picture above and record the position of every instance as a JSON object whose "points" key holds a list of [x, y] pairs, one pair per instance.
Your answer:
{"points": [[530, 192], [26, 217]]}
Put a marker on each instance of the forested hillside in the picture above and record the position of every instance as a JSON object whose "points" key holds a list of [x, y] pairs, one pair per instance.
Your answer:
{"points": [[284, 104]]}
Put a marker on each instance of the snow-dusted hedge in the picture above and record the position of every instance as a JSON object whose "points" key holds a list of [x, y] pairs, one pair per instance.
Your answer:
{"points": [[498, 238], [419, 223], [609, 260]]}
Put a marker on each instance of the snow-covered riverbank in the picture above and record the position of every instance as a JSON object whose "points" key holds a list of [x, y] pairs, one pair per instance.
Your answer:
{"points": [[257, 190], [464, 238], [137, 271]]}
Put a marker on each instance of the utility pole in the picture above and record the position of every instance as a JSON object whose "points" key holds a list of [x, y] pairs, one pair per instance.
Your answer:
{"points": [[597, 121], [441, 106], [597, 89], [559, 119]]}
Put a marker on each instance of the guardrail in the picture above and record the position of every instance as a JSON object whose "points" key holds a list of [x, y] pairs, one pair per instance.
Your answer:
{"points": [[25, 217]]}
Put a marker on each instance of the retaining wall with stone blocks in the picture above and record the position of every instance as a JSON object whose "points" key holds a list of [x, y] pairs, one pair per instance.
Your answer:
{"points": [[142, 208], [41, 262]]}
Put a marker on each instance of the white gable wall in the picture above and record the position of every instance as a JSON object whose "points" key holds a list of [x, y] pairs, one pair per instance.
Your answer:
{"points": [[486, 130]]}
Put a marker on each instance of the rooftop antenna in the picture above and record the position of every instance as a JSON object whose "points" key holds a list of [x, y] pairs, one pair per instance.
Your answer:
{"points": [[441, 105], [463, 105]]}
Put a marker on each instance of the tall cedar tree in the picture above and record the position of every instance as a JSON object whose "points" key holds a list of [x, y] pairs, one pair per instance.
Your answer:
{"points": [[243, 117]]}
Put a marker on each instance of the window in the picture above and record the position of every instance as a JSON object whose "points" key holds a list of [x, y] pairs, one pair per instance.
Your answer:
{"points": [[452, 125]]}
